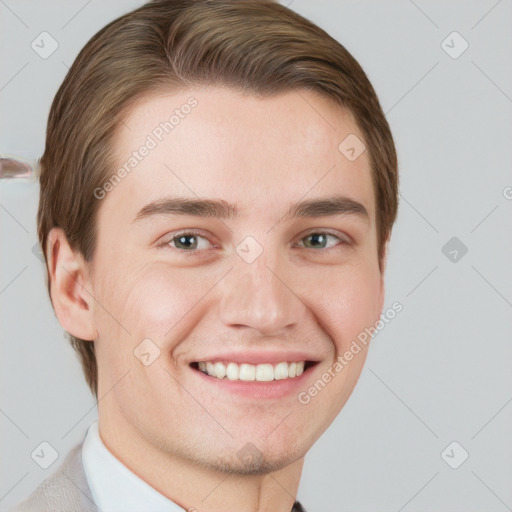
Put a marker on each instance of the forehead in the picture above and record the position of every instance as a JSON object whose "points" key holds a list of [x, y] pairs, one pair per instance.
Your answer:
{"points": [[258, 152]]}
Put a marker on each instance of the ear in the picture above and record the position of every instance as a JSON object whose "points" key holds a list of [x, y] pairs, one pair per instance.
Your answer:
{"points": [[69, 284], [383, 264]]}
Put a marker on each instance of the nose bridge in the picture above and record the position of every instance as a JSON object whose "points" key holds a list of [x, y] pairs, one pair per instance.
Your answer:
{"points": [[257, 294]]}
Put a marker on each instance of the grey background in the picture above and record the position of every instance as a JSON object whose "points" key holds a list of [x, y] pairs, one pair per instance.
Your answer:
{"points": [[439, 372]]}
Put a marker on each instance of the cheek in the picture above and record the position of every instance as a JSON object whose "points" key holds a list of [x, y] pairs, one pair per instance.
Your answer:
{"points": [[346, 300], [154, 301]]}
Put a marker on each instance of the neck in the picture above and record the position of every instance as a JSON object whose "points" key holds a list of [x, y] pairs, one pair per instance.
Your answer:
{"points": [[197, 488]]}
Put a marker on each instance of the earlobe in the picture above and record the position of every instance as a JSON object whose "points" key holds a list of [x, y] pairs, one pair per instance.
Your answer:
{"points": [[70, 288]]}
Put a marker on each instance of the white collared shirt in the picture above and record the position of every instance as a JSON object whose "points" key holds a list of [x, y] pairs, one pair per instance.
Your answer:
{"points": [[114, 487]]}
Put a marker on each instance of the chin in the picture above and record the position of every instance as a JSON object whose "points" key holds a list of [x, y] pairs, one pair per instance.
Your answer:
{"points": [[250, 461]]}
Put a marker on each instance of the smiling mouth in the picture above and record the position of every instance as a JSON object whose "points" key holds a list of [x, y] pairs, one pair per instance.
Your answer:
{"points": [[264, 372]]}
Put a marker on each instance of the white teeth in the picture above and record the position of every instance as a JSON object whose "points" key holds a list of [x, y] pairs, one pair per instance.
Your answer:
{"points": [[220, 370], [281, 371], [231, 371], [264, 372], [247, 372]]}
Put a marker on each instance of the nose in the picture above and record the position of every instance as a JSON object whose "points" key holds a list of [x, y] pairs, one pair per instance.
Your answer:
{"points": [[261, 295]]}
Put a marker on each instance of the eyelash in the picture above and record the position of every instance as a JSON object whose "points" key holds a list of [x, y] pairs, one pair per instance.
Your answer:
{"points": [[197, 252]]}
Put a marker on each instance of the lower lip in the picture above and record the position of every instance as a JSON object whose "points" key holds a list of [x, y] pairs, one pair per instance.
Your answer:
{"points": [[257, 389]]}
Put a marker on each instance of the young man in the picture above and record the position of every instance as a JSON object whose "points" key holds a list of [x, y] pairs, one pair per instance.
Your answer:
{"points": [[218, 189]]}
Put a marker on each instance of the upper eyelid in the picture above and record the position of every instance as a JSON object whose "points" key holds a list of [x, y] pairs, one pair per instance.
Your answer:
{"points": [[327, 232], [167, 239]]}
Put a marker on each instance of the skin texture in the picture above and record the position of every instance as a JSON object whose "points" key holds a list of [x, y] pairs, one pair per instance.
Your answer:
{"points": [[171, 425]]}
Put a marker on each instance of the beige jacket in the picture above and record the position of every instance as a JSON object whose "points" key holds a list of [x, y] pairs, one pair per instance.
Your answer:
{"points": [[66, 490]]}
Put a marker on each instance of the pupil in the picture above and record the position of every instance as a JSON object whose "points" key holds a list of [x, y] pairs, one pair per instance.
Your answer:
{"points": [[182, 241], [318, 238]]}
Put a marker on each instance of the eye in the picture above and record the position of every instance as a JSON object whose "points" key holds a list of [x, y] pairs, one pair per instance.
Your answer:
{"points": [[188, 241], [320, 240]]}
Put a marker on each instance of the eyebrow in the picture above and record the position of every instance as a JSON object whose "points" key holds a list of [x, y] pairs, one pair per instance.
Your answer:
{"points": [[218, 208]]}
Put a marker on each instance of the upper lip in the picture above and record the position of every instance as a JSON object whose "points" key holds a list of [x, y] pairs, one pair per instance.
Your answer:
{"points": [[259, 357]]}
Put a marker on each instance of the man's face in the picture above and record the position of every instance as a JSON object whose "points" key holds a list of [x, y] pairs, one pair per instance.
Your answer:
{"points": [[264, 285]]}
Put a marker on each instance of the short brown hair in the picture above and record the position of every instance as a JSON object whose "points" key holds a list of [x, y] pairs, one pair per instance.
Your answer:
{"points": [[259, 46]]}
